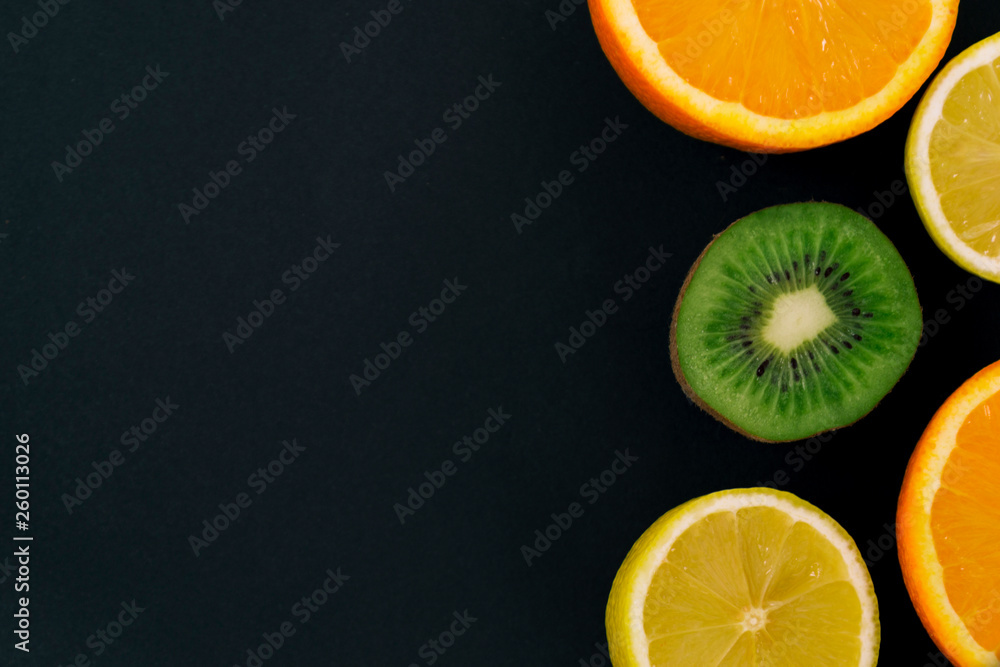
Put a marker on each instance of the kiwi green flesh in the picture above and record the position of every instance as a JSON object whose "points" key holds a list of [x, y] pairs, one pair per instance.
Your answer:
{"points": [[837, 373]]}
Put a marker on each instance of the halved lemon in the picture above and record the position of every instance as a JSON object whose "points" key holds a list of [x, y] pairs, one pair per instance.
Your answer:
{"points": [[774, 75], [953, 159], [948, 525], [744, 577]]}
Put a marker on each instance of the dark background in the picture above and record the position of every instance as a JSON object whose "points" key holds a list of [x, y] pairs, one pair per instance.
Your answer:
{"points": [[323, 176]]}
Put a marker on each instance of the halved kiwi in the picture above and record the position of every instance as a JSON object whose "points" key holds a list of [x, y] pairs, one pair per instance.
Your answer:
{"points": [[796, 320]]}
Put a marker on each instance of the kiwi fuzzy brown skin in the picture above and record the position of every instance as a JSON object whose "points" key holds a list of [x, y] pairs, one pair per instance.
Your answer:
{"points": [[675, 362]]}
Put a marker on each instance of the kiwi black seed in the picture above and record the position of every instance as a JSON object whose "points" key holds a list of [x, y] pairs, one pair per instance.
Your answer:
{"points": [[796, 320]]}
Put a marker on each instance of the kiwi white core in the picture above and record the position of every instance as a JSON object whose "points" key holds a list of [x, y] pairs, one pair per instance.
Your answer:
{"points": [[797, 317]]}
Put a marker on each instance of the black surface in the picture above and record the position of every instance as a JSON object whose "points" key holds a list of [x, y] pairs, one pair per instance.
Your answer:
{"points": [[494, 346]]}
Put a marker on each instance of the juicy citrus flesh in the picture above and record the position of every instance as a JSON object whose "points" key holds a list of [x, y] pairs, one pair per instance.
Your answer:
{"points": [[765, 580], [786, 58], [953, 159], [753, 586], [965, 159], [774, 76], [949, 524], [965, 523]]}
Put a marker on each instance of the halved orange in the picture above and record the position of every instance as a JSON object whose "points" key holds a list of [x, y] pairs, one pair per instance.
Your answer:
{"points": [[948, 524], [774, 75]]}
